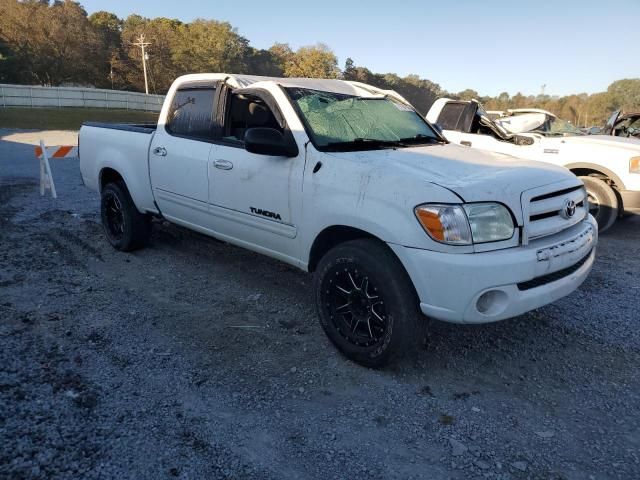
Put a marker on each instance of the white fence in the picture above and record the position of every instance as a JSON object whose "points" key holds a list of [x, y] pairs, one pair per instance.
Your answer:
{"points": [[35, 96]]}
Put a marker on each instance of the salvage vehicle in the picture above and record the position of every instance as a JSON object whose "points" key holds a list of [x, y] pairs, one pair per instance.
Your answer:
{"points": [[349, 182], [608, 166], [623, 125]]}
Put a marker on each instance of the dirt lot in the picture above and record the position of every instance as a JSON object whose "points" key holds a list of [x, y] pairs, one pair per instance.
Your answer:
{"points": [[196, 359]]}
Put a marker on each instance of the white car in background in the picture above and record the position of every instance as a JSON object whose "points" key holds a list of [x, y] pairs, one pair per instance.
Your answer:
{"points": [[608, 166]]}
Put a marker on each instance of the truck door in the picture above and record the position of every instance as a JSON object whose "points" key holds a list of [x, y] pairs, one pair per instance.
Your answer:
{"points": [[178, 160], [254, 198]]}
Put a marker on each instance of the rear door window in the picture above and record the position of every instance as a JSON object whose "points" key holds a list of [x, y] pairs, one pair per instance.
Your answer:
{"points": [[191, 113]]}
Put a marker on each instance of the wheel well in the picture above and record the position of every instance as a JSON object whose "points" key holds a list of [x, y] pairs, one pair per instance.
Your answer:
{"points": [[109, 175], [329, 238], [590, 172]]}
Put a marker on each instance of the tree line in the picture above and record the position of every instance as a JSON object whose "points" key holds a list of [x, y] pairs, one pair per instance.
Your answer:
{"points": [[57, 43]]}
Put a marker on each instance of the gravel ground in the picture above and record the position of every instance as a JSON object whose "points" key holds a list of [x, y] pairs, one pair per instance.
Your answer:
{"points": [[196, 359]]}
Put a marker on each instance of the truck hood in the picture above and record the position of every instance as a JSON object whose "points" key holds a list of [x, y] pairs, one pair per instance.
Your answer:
{"points": [[473, 175]]}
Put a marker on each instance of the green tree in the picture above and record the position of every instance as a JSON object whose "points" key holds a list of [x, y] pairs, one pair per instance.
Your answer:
{"points": [[468, 94], [210, 46], [625, 93], [7, 60], [108, 27], [263, 62], [52, 44], [317, 61], [280, 54], [163, 34], [349, 67]]}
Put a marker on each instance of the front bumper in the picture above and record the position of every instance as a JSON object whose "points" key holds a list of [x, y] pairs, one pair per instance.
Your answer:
{"points": [[491, 286]]}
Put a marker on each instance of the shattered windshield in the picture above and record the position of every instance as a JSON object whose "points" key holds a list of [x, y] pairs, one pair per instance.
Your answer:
{"points": [[338, 122], [555, 126]]}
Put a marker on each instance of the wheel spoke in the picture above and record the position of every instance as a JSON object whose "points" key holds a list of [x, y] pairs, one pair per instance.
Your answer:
{"points": [[355, 326], [343, 306], [369, 326], [353, 282], [343, 290], [378, 317], [366, 292]]}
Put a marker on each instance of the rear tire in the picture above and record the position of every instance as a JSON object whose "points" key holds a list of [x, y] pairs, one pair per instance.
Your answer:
{"points": [[367, 304], [124, 226], [603, 202]]}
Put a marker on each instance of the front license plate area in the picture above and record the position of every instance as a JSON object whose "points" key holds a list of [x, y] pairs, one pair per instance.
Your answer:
{"points": [[573, 249]]}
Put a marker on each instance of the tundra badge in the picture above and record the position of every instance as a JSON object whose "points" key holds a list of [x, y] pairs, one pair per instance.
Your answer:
{"points": [[265, 213]]}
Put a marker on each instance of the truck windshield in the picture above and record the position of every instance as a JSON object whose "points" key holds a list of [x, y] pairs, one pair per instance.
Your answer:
{"points": [[556, 127], [340, 122]]}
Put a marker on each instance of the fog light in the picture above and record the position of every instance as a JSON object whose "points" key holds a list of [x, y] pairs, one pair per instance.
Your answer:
{"points": [[492, 302]]}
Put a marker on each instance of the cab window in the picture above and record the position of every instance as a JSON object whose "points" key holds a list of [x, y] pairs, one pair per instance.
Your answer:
{"points": [[191, 113]]}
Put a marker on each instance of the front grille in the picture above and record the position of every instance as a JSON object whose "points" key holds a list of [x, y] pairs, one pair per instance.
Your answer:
{"points": [[552, 277], [545, 211]]}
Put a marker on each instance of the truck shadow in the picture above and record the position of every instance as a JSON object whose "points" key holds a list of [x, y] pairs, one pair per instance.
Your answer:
{"points": [[500, 346]]}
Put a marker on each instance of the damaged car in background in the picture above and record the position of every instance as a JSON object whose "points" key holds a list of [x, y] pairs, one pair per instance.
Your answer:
{"points": [[623, 125], [608, 166]]}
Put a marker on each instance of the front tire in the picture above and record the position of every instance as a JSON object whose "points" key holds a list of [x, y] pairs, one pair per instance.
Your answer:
{"points": [[603, 202], [124, 226], [367, 304]]}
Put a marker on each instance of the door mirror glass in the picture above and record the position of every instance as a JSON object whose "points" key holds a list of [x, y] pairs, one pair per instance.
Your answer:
{"points": [[268, 141]]}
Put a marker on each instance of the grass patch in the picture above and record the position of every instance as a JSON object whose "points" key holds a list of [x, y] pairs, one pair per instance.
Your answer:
{"points": [[68, 118]]}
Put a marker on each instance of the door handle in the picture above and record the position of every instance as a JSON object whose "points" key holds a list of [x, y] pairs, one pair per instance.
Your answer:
{"points": [[223, 164], [465, 143], [160, 151]]}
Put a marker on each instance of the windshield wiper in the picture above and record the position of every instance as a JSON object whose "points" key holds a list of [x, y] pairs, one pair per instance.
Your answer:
{"points": [[421, 138], [363, 144]]}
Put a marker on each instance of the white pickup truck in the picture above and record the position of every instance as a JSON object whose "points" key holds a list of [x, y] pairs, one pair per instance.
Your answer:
{"points": [[347, 181], [608, 166]]}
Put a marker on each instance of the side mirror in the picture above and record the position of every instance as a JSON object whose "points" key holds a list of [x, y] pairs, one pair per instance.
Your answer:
{"points": [[268, 141]]}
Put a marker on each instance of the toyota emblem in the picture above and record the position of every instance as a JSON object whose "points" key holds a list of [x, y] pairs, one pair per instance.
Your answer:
{"points": [[569, 209]]}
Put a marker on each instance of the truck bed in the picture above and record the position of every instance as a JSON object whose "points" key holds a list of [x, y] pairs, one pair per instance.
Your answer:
{"points": [[121, 148]]}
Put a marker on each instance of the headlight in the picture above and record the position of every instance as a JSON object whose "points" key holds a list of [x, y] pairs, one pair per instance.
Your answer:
{"points": [[634, 165], [490, 222], [466, 224], [445, 223]]}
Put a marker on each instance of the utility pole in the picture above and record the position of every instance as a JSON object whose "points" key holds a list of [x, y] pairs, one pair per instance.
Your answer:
{"points": [[111, 75], [142, 44]]}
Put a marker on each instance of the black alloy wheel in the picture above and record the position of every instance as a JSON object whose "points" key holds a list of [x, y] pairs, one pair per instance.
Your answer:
{"points": [[356, 306], [124, 226], [366, 303], [114, 216]]}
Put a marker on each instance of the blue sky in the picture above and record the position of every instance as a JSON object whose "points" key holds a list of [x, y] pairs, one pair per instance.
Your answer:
{"points": [[491, 46]]}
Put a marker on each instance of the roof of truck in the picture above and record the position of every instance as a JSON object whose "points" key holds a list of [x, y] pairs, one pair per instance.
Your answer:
{"points": [[529, 110], [326, 85]]}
